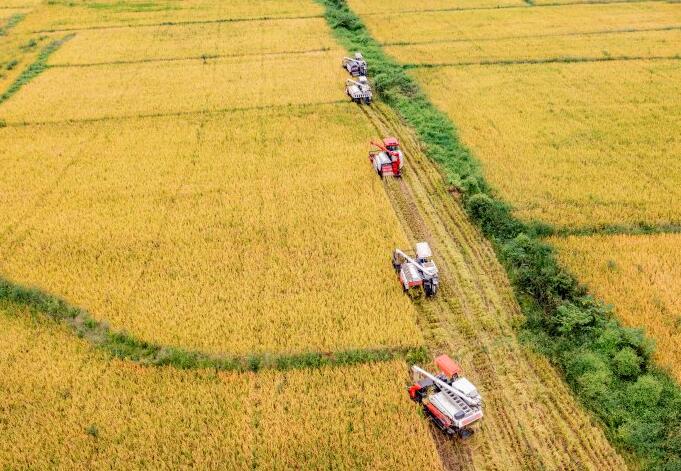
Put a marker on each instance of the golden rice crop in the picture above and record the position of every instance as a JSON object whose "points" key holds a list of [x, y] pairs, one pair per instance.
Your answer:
{"points": [[177, 87], [641, 277], [83, 14], [572, 144], [642, 44], [237, 232], [512, 22], [343, 418], [195, 40], [394, 6], [63, 405]]}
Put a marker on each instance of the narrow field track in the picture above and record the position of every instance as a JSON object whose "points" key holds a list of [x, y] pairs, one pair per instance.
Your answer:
{"points": [[532, 421]]}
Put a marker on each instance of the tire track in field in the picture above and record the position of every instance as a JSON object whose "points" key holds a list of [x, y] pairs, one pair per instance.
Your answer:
{"points": [[532, 421]]}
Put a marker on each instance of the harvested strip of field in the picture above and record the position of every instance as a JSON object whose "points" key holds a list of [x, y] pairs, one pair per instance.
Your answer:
{"points": [[368, 7], [641, 277], [572, 144], [85, 14], [209, 40], [64, 405], [501, 23], [532, 420], [238, 232], [644, 44], [177, 87]]}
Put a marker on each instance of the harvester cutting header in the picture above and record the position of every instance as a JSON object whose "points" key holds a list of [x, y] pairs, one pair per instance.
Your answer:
{"points": [[448, 399]]}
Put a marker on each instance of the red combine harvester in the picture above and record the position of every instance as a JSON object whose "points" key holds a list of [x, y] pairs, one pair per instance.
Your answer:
{"points": [[387, 158], [448, 399]]}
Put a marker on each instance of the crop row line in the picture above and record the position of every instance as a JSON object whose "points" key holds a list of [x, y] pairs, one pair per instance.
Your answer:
{"points": [[202, 57], [124, 346], [577, 333], [611, 229], [524, 5], [181, 23], [534, 36], [548, 60], [175, 113]]}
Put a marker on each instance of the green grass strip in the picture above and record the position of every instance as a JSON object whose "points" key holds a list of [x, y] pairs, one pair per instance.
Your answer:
{"points": [[11, 23], [609, 367], [125, 346], [35, 69]]}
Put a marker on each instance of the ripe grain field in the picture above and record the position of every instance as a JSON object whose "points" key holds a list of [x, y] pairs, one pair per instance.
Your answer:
{"points": [[198, 180]]}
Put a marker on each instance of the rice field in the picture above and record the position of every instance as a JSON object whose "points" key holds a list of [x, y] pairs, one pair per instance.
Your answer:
{"points": [[203, 226], [564, 47], [65, 406], [639, 276], [493, 24], [59, 15], [173, 42], [381, 7], [128, 90], [572, 145]]}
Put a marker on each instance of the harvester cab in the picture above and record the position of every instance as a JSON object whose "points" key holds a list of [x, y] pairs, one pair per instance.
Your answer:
{"points": [[387, 158], [356, 66], [359, 90], [419, 272], [448, 399]]}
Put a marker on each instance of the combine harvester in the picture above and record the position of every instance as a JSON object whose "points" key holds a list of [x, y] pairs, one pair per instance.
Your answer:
{"points": [[417, 273], [387, 158], [357, 66], [448, 399], [359, 90]]}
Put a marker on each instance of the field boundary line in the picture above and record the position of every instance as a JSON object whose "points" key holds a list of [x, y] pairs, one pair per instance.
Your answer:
{"points": [[202, 57], [533, 36], [34, 69], [19, 124], [182, 23], [523, 5], [611, 229], [562, 320], [550, 60], [124, 346]]}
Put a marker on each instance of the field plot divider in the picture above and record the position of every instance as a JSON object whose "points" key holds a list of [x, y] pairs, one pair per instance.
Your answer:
{"points": [[562, 320], [550, 60], [125, 346]]}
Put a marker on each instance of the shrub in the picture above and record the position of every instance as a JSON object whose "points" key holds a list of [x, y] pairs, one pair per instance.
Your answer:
{"points": [[627, 363]]}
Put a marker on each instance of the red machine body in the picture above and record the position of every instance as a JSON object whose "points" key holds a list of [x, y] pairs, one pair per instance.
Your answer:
{"points": [[387, 159]]}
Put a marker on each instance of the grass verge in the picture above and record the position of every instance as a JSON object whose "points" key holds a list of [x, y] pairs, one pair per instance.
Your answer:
{"points": [[125, 346], [608, 366], [11, 23]]}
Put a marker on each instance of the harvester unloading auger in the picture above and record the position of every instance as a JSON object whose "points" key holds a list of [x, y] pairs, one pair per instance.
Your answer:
{"points": [[387, 158], [449, 400], [355, 66], [419, 272]]}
